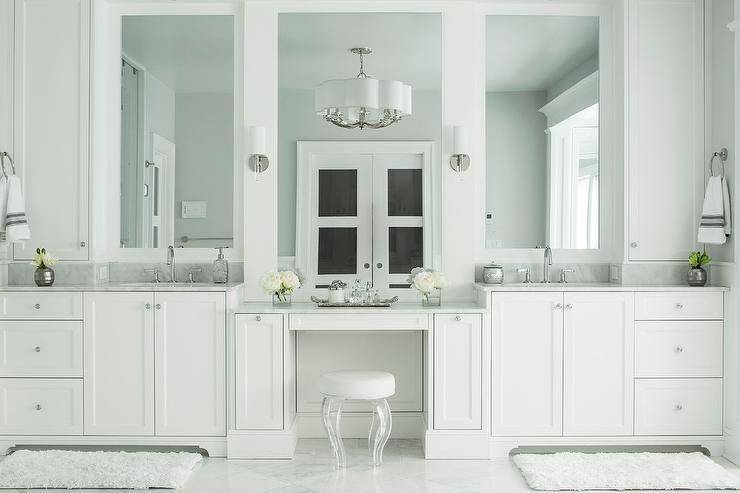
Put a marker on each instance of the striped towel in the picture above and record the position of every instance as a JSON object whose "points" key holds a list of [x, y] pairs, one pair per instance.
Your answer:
{"points": [[16, 222], [715, 224]]}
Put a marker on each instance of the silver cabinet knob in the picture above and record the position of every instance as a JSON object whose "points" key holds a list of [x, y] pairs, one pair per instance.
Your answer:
{"points": [[37, 306], [379, 265], [37, 349], [83, 244], [258, 318], [148, 306], [633, 244], [458, 318], [366, 265], [679, 306], [679, 407], [558, 306], [38, 407], [568, 306], [679, 349], [158, 306]]}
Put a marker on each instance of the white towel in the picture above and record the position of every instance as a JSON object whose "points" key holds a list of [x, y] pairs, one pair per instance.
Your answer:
{"points": [[726, 206], [715, 226], [3, 201], [16, 222]]}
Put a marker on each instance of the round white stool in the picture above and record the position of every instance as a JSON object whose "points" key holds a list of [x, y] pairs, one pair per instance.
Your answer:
{"points": [[342, 385]]}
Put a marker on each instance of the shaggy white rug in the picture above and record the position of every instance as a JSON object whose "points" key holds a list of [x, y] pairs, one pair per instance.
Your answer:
{"points": [[70, 469], [624, 471]]}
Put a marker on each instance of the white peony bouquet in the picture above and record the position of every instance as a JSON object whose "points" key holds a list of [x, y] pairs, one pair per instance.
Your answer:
{"points": [[280, 283], [425, 281]]}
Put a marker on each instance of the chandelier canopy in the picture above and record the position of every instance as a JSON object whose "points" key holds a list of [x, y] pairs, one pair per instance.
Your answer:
{"points": [[362, 101]]}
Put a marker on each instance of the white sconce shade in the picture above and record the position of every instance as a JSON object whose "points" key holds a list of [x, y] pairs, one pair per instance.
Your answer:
{"points": [[257, 146], [459, 161]]}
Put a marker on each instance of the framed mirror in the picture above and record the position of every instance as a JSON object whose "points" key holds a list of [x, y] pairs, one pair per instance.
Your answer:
{"points": [[543, 154], [178, 128]]}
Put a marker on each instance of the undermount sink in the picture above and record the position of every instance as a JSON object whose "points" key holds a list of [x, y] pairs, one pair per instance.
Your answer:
{"points": [[152, 284]]}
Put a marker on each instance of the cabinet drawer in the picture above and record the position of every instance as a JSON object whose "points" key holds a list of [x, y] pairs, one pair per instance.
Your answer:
{"points": [[41, 349], [690, 406], [354, 321], [678, 349], [678, 305], [36, 406], [41, 305]]}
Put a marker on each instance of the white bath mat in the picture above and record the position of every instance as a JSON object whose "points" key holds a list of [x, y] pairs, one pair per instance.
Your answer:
{"points": [[623, 471], [70, 469]]}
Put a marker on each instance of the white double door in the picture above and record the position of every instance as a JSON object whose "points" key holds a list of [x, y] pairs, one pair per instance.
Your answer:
{"points": [[155, 364], [563, 364]]}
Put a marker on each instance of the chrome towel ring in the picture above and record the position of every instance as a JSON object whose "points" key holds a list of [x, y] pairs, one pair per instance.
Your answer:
{"points": [[722, 155], [3, 155]]}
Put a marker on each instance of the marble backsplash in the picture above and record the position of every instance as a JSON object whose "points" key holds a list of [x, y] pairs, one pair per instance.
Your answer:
{"points": [[583, 272]]}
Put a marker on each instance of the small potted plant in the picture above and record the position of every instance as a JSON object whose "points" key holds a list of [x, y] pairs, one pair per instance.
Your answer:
{"points": [[429, 284], [43, 261], [697, 276], [280, 284]]}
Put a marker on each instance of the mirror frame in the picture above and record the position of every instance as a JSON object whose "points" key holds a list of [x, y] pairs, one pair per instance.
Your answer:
{"points": [[106, 104], [612, 173]]}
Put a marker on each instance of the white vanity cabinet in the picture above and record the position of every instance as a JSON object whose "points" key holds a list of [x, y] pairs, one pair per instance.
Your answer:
{"points": [[44, 47], [138, 342]]}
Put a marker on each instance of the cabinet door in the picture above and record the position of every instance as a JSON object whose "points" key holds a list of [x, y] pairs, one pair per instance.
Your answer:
{"points": [[598, 364], [119, 364], [51, 123], [666, 127], [458, 344], [190, 350], [527, 364], [259, 371]]}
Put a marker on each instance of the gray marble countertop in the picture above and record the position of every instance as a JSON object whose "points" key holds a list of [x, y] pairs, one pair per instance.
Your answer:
{"points": [[590, 286], [127, 286], [447, 307]]}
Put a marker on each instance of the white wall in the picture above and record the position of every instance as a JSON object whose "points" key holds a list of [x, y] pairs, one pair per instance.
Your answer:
{"points": [[580, 72], [298, 121], [516, 178], [204, 156], [160, 110]]}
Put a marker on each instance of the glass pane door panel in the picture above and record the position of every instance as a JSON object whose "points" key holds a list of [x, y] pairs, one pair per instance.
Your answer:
{"points": [[404, 192], [337, 251], [337, 192], [405, 249]]}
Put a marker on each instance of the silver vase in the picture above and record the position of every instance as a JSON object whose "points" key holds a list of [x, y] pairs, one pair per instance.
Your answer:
{"points": [[696, 276], [44, 277]]}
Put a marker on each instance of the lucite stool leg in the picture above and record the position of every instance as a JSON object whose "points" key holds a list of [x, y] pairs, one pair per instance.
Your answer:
{"points": [[384, 430], [332, 418], [373, 428]]}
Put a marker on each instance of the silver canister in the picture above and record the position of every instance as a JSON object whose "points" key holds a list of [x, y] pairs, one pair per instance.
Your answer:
{"points": [[336, 292], [493, 274]]}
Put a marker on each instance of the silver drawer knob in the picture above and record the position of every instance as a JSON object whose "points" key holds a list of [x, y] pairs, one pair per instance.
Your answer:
{"points": [[458, 318], [679, 349], [258, 318], [38, 407], [37, 306], [148, 306], [679, 306], [633, 244], [679, 407], [568, 306], [37, 349], [558, 306], [82, 244], [158, 306]]}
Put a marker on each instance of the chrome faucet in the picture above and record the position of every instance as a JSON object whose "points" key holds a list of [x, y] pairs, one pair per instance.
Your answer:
{"points": [[547, 264], [171, 262]]}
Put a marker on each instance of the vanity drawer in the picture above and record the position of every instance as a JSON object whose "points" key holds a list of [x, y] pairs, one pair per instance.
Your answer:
{"points": [[41, 305], [38, 406], [41, 349], [678, 348], [691, 406], [678, 305], [355, 321]]}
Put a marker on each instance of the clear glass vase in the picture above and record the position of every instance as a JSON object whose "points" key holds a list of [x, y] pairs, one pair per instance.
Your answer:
{"points": [[281, 299], [432, 299]]}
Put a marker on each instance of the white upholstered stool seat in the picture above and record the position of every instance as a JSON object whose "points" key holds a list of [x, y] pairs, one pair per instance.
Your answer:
{"points": [[372, 386], [358, 384]]}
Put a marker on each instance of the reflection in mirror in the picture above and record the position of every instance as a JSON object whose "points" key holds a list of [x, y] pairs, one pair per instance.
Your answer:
{"points": [[542, 131], [177, 131]]}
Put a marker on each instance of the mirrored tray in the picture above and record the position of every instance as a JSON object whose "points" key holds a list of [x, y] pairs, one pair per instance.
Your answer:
{"points": [[376, 304]]}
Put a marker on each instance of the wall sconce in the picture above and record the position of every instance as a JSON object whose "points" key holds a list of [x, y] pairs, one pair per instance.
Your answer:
{"points": [[258, 161], [459, 161]]}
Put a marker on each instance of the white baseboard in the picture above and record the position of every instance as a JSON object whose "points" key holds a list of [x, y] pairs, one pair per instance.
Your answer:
{"points": [[262, 444], [501, 446], [456, 445], [216, 446], [406, 425], [732, 446]]}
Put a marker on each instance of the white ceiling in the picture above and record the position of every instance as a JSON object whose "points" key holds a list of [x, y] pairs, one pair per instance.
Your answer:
{"points": [[532, 53], [188, 53], [314, 48]]}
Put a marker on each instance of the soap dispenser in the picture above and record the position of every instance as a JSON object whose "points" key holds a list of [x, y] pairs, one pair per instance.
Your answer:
{"points": [[220, 268]]}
